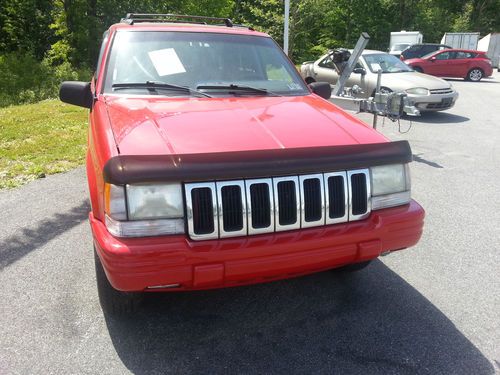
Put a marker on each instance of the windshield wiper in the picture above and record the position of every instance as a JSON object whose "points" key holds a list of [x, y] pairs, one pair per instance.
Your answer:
{"points": [[154, 85], [233, 87]]}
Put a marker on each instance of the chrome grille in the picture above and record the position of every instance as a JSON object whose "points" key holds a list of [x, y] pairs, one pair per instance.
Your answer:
{"points": [[441, 91], [246, 207]]}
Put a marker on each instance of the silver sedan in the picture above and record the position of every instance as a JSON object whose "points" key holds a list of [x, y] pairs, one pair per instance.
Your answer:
{"points": [[425, 92]]}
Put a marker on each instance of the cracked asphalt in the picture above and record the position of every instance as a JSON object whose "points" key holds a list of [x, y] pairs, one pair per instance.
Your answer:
{"points": [[432, 309]]}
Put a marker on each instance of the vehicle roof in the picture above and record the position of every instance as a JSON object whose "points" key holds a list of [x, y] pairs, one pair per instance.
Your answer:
{"points": [[186, 27], [461, 50]]}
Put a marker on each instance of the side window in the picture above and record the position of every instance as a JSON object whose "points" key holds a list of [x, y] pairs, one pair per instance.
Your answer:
{"points": [[443, 56], [463, 55], [101, 52], [327, 63]]}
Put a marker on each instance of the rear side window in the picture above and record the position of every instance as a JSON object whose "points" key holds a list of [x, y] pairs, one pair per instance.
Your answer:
{"points": [[465, 55]]}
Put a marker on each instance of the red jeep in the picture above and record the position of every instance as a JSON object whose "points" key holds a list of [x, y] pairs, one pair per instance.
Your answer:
{"points": [[212, 164]]}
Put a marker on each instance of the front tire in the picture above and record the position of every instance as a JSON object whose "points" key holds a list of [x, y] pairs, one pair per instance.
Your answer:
{"points": [[114, 302], [418, 69], [474, 75]]}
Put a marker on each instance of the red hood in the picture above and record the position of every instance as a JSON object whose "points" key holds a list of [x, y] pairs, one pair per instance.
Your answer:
{"points": [[202, 125]]}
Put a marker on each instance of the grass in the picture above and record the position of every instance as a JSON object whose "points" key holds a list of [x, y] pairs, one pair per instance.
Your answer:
{"points": [[40, 139]]}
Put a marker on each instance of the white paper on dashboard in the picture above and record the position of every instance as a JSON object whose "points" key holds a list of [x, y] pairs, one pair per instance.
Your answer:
{"points": [[166, 62]]}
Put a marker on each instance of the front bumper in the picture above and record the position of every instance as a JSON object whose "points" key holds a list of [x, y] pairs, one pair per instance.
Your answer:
{"points": [[433, 102], [146, 264]]}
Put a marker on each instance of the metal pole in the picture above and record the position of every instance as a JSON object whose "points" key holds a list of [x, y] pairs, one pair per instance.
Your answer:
{"points": [[377, 90], [285, 33]]}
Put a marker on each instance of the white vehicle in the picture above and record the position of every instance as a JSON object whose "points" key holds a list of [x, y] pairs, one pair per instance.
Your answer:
{"points": [[461, 40], [400, 40], [491, 45], [427, 93]]}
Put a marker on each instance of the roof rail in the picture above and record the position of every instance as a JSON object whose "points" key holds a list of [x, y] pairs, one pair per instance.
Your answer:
{"points": [[132, 18]]}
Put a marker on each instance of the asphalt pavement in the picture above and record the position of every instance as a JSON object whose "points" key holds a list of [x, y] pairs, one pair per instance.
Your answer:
{"points": [[432, 309]]}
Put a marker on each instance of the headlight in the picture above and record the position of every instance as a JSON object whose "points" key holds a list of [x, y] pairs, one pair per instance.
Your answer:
{"points": [[418, 91], [391, 185], [144, 210], [155, 201]]}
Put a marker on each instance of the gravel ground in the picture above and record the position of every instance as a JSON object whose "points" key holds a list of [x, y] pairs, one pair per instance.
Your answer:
{"points": [[431, 309]]}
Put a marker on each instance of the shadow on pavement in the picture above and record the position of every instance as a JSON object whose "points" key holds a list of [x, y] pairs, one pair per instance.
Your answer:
{"points": [[370, 322], [437, 118], [17, 246]]}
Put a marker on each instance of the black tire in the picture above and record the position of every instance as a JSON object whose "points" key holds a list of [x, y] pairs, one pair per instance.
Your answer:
{"points": [[310, 80], [114, 302], [353, 267], [474, 75], [418, 69]]}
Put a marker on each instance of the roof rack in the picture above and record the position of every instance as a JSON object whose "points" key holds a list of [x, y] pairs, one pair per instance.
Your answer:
{"points": [[132, 18]]}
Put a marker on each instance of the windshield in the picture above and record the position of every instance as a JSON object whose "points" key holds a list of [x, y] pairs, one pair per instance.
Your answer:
{"points": [[388, 63], [400, 47], [199, 60]]}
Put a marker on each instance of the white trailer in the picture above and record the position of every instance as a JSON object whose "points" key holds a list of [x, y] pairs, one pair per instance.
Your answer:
{"points": [[491, 45], [461, 40], [402, 39]]}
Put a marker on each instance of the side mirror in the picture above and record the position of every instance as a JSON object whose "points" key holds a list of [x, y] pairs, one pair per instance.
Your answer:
{"points": [[322, 89], [433, 58], [76, 93], [361, 71]]}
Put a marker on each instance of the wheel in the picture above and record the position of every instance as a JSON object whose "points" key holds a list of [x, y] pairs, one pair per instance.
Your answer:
{"points": [[114, 302], [418, 69], [474, 75], [353, 267], [310, 80]]}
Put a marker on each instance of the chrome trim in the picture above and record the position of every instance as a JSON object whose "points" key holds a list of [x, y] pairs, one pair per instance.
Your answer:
{"points": [[296, 225], [222, 232], [321, 221], [366, 172], [344, 218], [248, 184], [189, 210]]}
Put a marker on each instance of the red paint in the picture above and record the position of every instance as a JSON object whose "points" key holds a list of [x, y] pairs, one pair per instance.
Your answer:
{"points": [[437, 65], [150, 125], [134, 264]]}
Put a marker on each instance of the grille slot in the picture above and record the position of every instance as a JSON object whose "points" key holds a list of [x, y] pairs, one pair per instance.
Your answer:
{"points": [[359, 192], [312, 194], [203, 219], [287, 202], [232, 209], [312, 200], [261, 205], [336, 192]]}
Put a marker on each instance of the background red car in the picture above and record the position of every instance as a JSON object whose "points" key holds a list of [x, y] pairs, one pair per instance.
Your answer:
{"points": [[467, 64]]}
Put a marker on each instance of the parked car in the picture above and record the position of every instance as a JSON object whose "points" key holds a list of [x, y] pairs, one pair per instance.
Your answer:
{"points": [[468, 64], [425, 92], [419, 50], [212, 164]]}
